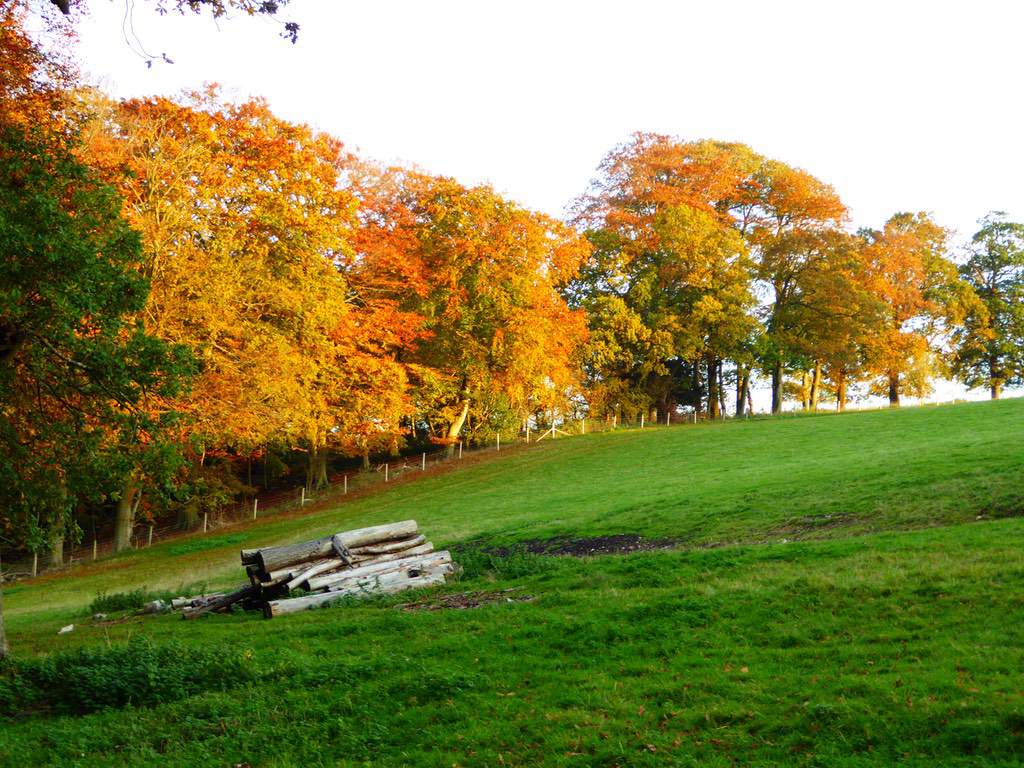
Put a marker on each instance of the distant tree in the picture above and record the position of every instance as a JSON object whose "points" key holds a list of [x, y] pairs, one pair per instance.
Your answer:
{"points": [[923, 297], [989, 345]]}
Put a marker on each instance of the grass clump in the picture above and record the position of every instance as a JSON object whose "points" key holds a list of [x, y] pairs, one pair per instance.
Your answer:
{"points": [[131, 600], [136, 673]]}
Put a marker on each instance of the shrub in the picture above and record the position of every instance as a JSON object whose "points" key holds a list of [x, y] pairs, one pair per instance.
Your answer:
{"points": [[138, 673]]}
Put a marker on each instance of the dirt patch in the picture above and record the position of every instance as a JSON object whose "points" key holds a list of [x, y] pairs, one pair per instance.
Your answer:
{"points": [[618, 544], [465, 600]]}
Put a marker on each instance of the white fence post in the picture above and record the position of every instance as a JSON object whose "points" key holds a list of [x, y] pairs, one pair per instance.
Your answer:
{"points": [[346, 484], [424, 465], [385, 472], [255, 506], [460, 449]]}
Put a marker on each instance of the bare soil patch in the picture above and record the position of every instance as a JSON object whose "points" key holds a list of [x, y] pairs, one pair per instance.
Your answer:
{"points": [[617, 544]]}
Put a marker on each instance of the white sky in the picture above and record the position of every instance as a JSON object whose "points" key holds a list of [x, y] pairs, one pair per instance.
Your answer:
{"points": [[900, 105]]}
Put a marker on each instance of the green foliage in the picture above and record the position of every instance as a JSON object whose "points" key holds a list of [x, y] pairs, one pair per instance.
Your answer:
{"points": [[137, 673], [990, 343], [74, 368]]}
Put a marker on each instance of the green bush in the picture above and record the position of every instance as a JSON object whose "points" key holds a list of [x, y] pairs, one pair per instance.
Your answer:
{"points": [[138, 673]]}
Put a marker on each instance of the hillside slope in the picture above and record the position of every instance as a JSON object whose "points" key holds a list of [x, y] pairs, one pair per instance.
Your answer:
{"points": [[836, 601]]}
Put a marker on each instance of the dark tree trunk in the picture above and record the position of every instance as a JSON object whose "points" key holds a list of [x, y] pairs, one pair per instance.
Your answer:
{"points": [[777, 387], [841, 392], [742, 379], [124, 520], [816, 386], [721, 388], [894, 390], [713, 402]]}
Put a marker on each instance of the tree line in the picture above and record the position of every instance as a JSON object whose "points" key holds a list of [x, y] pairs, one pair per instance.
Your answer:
{"points": [[190, 285]]}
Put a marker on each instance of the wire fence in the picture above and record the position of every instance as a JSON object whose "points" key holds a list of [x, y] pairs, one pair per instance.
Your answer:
{"points": [[278, 501]]}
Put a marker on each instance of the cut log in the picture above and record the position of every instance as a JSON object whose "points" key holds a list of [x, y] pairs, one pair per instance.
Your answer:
{"points": [[186, 602], [294, 569], [389, 546], [392, 564], [323, 565], [224, 601], [272, 558], [383, 585]]}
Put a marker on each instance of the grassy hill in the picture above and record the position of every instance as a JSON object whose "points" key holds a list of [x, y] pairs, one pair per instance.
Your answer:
{"points": [[846, 591]]}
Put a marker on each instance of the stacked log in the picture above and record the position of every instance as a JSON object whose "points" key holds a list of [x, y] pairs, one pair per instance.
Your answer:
{"points": [[382, 559]]}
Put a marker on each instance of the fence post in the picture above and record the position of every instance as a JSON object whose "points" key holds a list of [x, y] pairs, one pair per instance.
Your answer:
{"points": [[424, 461], [385, 472], [206, 521], [149, 539], [460, 449], [641, 420], [615, 421], [668, 418], [346, 484], [302, 497], [583, 425], [498, 442], [255, 505], [527, 434], [94, 547], [35, 564]]}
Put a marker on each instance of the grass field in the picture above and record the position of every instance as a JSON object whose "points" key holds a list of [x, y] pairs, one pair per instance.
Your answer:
{"points": [[847, 590]]}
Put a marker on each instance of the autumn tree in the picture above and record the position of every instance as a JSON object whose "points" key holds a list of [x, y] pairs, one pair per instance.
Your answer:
{"points": [[464, 286], [75, 369], [923, 299], [245, 231], [989, 345]]}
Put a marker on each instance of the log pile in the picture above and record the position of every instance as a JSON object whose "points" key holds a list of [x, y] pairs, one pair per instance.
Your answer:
{"points": [[383, 559]]}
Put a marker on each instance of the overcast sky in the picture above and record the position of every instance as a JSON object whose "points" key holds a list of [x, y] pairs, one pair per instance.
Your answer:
{"points": [[899, 105]]}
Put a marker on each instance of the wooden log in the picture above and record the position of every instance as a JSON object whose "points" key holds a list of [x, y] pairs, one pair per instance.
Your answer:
{"points": [[389, 546], [290, 571], [224, 601], [323, 565], [272, 558], [393, 563], [188, 602], [384, 586]]}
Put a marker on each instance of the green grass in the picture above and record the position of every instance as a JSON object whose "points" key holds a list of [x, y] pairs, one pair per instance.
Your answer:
{"points": [[837, 601]]}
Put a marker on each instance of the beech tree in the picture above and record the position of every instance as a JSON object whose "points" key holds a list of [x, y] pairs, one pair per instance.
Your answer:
{"points": [[923, 298], [473, 280], [989, 345]]}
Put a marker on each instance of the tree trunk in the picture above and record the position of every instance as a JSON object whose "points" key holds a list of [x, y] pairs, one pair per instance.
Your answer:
{"points": [[841, 391], [894, 390], [721, 389], [713, 400], [777, 387], [742, 383], [456, 427], [316, 472], [997, 389], [125, 518], [816, 386], [57, 551]]}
